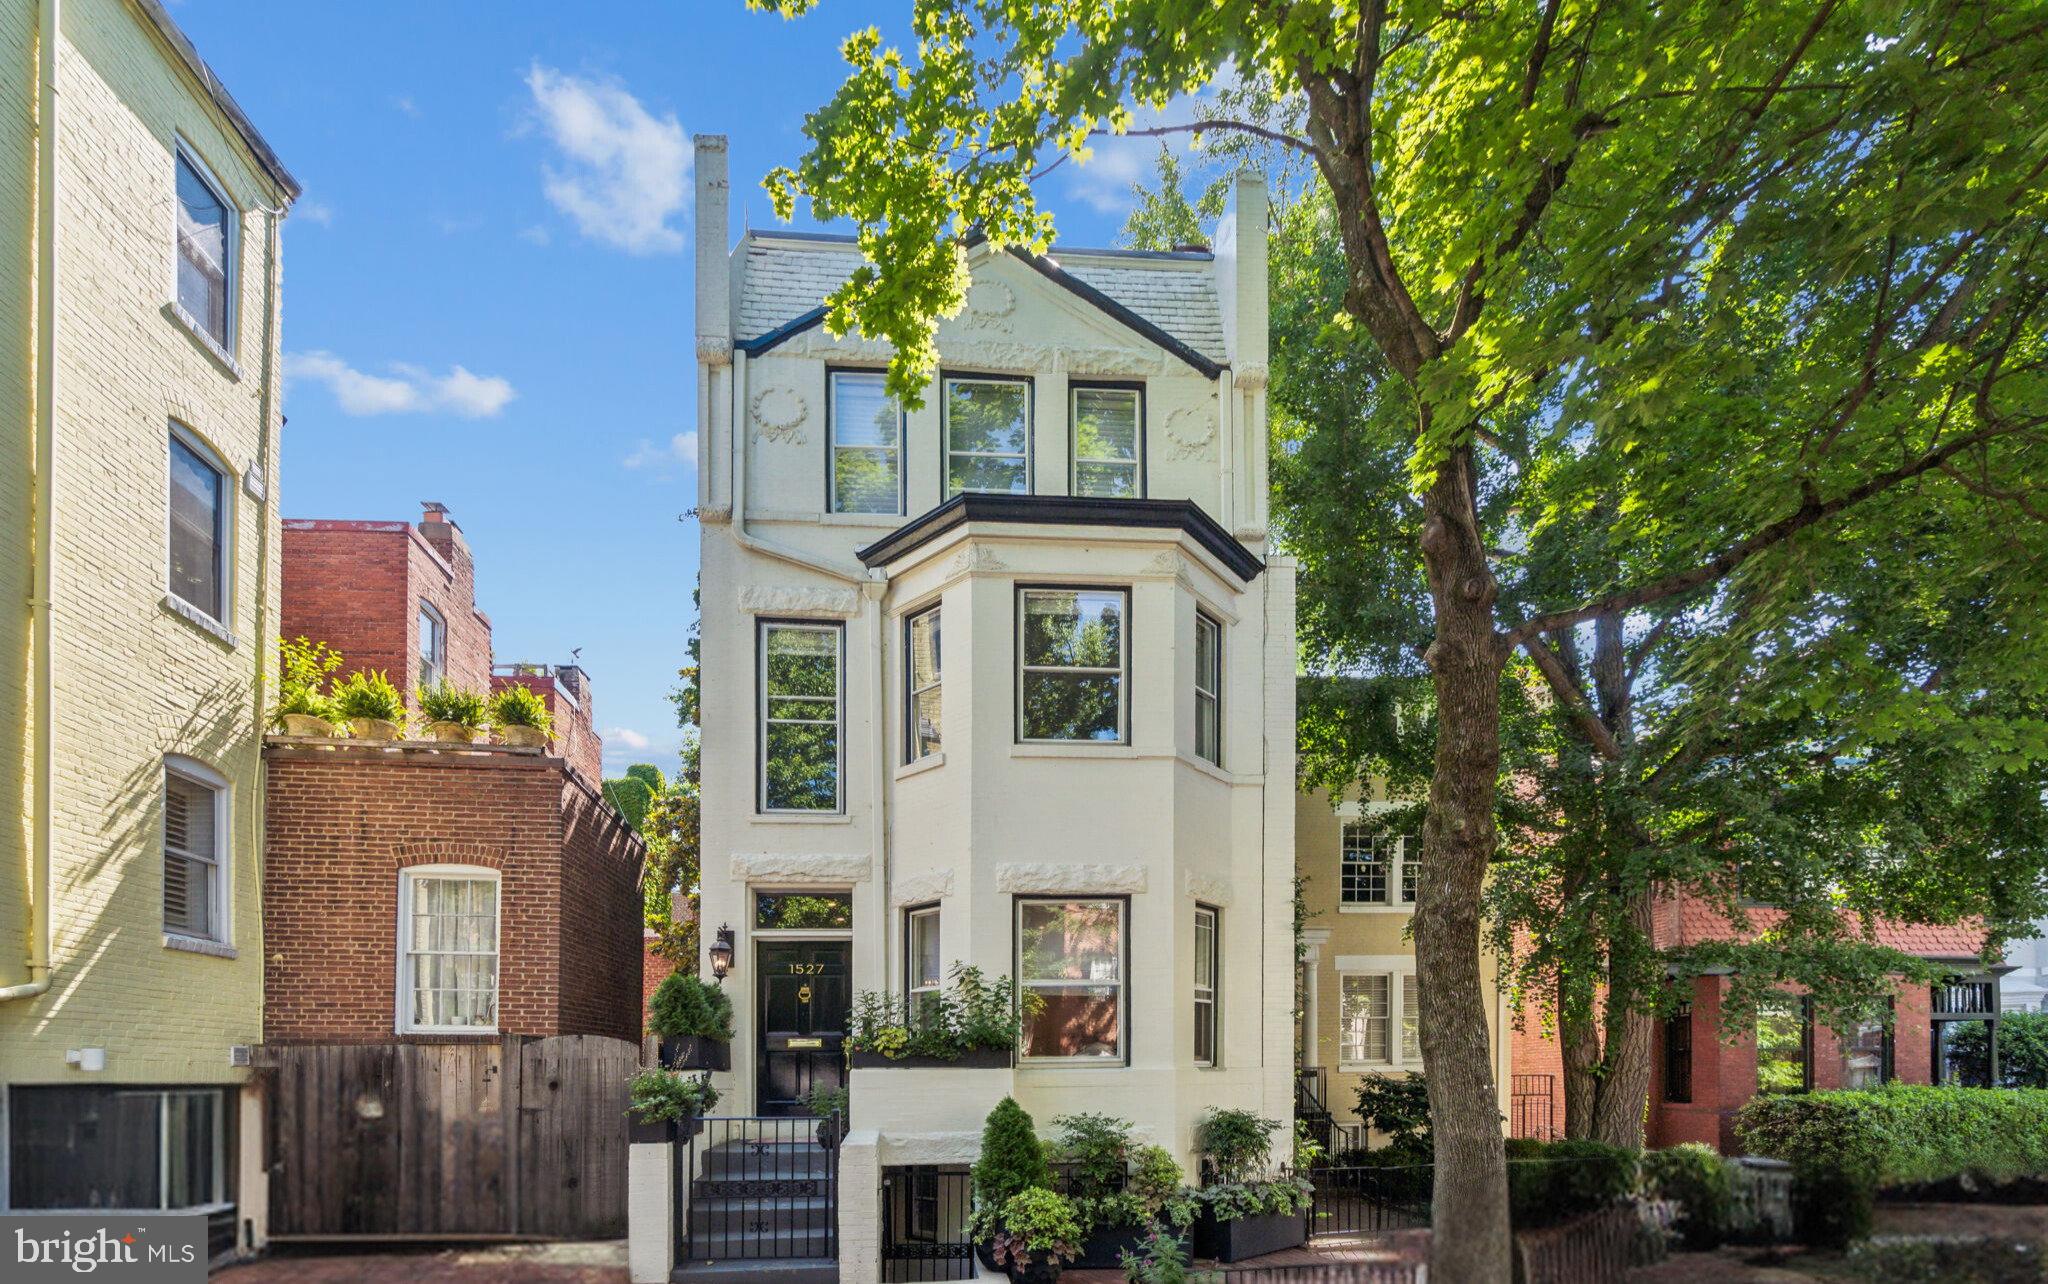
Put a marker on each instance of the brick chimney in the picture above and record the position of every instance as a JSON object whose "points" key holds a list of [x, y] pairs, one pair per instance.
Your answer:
{"points": [[442, 534]]}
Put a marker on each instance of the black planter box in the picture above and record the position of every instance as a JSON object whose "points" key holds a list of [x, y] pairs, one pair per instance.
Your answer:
{"points": [[1243, 1237], [694, 1052], [661, 1132], [1104, 1247], [979, 1059]]}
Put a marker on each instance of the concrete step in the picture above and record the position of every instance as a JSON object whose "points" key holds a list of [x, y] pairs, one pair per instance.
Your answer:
{"points": [[767, 1164], [746, 1246], [816, 1270], [786, 1212]]}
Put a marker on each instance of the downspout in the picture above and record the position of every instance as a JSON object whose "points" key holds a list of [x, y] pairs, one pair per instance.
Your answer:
{"points": [[877, 586], [266, 653], [43, 465]]}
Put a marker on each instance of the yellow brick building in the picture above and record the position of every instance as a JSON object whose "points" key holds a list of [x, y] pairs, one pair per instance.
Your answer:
{"points": [[139, 417]]}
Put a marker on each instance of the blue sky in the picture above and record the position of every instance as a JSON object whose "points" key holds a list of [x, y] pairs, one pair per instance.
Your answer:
{"points": [[487, 285]]}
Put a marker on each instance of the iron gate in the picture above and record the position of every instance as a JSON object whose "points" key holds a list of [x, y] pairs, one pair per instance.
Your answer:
{"points": [[758, 1187]]}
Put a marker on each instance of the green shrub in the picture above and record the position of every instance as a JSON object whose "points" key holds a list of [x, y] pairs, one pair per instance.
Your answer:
{"points": [[973, 1014], [446, 702], [1395, 1106], [1906, 1134], [2022, 1047], [685, 1007], [369, 694], [1832, 1203], [632, 797], [1701, 1183], [659, 1096], [648, 773], [1036, 1224], [1551, 1182], [293, 698], [1011, 1158], [824, 1102], [1946, 1259], [304, 668], [517, 705], [1161, 1258], [1238, 1143], [1398, 1174]]}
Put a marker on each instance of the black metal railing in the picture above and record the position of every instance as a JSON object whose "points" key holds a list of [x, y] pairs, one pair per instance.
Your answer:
{"points": [[1309, 1088], [1353, 1201], [758, 1188], [925, 1211], [1532, 1106]]}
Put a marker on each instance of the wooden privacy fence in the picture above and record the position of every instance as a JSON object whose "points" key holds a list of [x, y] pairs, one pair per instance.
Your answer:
{"points": [[522, 1137]]}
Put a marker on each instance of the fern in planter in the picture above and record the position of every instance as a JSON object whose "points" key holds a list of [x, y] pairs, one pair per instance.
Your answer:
{"points": [[521, 715], [302, 701], [369, 695], [446, 702], [304, 668]]}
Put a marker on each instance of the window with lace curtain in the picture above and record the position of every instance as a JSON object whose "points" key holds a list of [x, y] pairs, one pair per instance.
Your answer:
{"points": [[448, 919], [195, 823], [205, 239]]}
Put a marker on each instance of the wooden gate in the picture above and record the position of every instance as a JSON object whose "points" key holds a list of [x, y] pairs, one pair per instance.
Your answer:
{"points": [[524, 1137]]}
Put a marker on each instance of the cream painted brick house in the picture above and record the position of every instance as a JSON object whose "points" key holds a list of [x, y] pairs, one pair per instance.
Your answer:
{"points": [[140, 287], [1006, 680]]}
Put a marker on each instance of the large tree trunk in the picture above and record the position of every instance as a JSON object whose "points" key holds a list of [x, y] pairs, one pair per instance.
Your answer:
{"points": [[1578, 1039], [1631, 1034], [1471, 1241]]}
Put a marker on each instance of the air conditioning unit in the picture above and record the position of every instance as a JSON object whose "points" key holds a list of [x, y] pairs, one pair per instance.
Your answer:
{"points": [[239, 1055]]}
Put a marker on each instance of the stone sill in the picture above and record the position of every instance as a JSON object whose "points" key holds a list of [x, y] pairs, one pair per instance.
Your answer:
{"points": [[200, 620], [927, 763], [198, 945], [191, 326]]}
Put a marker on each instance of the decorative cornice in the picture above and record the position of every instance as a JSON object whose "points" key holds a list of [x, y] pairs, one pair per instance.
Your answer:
{"points": [[1251, 378], [1209, 891], [1031, 878], [916, 889], [715, 350], [789, 599], [781, 869]]}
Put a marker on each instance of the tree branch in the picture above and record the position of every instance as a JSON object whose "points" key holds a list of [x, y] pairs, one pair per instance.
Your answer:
{"points": [[1581, 709]]}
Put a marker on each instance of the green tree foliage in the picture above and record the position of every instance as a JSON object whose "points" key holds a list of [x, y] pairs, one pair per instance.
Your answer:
{"points": [[2022, 1047], [632, 796], [1012, 1158], [671, 828], [1702, 343]]}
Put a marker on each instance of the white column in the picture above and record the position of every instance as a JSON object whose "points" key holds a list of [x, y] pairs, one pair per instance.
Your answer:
{"points": [[252, 1194], [860, 1208], [650, 1212]]}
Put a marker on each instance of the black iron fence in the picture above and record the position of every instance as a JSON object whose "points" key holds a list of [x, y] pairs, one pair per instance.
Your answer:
{"points": [[1357, 1200], [925, 1209], [1532, 1106], [758, 1188]]}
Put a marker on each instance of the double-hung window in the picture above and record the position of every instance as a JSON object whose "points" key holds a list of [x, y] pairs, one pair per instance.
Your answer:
{"points": [[1074, 654], [1379, 1017], [1866, 1055], [198, 500], [1378, 869], [1206, 948], [923, 973], [1784, 1044], [1208, 689], [205, 238], [1070, 955], [1109, 441], [802, 716], [433, 646], [448, 921], [1678, 1055], [865, 427], [195, 836], [921, 683], [988, 435]]}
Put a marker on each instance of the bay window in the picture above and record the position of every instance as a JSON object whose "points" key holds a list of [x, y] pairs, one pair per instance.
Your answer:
{"points": [[448, 923], [864, 427], [1073, 655], [1208, 689], [1206, 947], [1070, 957], [802, 716], [988, 435], [1108, 441]]}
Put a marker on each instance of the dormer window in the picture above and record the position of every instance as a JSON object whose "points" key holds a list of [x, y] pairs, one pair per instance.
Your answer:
{"points": [[988, 435], [1108, 441]]}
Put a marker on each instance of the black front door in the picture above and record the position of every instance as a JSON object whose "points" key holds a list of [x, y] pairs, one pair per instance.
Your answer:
{"points": [[806, 997]]}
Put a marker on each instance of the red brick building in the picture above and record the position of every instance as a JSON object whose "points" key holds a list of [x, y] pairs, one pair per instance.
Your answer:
{"points": [[1699, 1079]]}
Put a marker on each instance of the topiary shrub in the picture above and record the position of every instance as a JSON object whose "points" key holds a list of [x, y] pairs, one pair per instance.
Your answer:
{"points": [[1701, 1183], [1551, 1182], [1012, 1160], [685, 1007], [1832, 1203]]}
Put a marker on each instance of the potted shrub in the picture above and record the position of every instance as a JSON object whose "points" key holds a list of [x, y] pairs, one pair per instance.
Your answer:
{"points": [[1245, 1211], [1011, 1160], [1035, 1235], [971, 1025], [694, 1021], [373, 707], [303, 706], [1123, 1194], [452, 713], [521, 717], [832, 1106], [668, 1106]]}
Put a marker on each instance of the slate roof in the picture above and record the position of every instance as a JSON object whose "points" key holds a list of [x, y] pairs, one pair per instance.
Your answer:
{"points": [[1690, 921], [784, 276]]}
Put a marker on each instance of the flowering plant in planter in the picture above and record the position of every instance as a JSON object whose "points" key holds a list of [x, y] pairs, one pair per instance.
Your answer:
{"points": [[1246, 1210], [974, 1019], [452, 712], [1119, 1190], [1036, 1235]]}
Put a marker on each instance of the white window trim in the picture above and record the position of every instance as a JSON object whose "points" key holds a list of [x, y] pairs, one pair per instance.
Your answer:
{"points": [[403, 1004], [225, 555], [911, 990], [1395, 967], [231, 273], [1122, 1055], [1215, 986], [913, 691], [946, 384], [441, 631], [1074, 457], [1397, 866], [198, 773], [762, 627], [1122, 672], [1215, 695], [832, 446]]}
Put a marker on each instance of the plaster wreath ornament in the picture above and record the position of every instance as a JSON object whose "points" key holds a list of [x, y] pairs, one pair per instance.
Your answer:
{"points": [[989, 305], [779, 414], [1189, 432]]}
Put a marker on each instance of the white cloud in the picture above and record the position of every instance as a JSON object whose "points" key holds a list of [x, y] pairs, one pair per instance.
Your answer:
{"points": [[535, 235], [313, 212], [627, 737], [681, 450], [624, 171], [405, 104], [407, 389]]}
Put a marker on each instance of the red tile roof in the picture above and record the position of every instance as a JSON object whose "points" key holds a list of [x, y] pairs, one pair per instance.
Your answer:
{"points": [[1688, 920]]}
